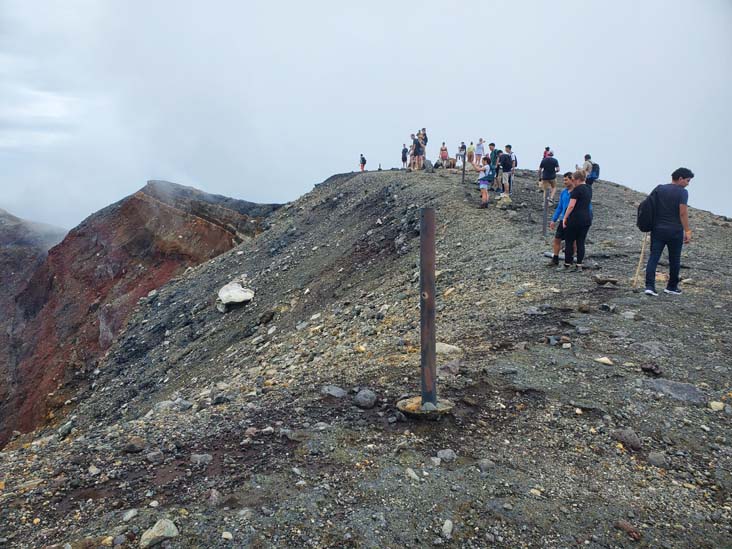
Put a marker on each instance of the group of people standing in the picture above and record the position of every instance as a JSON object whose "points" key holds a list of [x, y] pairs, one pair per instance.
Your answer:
{"points": [[573, 215], [413, 157]]}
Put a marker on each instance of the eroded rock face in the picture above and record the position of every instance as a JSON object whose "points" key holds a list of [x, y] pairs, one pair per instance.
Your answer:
{"points": [[78, 299], [23, 247]]}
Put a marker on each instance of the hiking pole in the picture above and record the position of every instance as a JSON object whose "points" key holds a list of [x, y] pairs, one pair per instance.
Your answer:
{"points": [[464, 161], [427, 305], [546, 212], [640, 261]]}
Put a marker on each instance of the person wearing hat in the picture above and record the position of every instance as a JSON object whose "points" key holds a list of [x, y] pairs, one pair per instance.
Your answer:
{"points": [[546, 151]]}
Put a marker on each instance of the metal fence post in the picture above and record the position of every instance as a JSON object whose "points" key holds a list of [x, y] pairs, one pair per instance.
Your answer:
{"points": [[427, 305], [546, 212]]}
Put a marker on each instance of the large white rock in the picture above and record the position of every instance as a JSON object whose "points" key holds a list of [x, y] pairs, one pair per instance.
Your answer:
{"points": [[234, 292], [163, 529], [446, 349]]}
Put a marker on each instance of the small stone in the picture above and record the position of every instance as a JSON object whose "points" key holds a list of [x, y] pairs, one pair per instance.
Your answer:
{"points": [[269, 430], [534, 492], [412, 475], [447, 529], [93, 470], [134, 445], [156, 456], [65, 429], [221, 398], [214, 498], [129, 515], [657, 459], [154, 504], [436, 461], [716, 406], [201, 459], [183, 404], [447, 455], [628, 437], [583, 330], [604, 360], [164, 405], [365, 398], [485, 464], [163, 529], [333, 391], [227, 536]]}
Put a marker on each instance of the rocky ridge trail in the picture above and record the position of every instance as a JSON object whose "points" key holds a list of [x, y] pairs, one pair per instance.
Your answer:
{"points": [[586, 414]]}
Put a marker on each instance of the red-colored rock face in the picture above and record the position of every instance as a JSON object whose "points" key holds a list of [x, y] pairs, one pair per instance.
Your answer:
{"points": [[79, 299]]}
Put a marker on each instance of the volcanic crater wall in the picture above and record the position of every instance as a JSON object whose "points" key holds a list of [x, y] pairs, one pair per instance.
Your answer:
{"points": [[78, 299]]}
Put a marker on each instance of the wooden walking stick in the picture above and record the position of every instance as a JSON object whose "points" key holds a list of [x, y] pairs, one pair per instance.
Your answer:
{"points": [[640, 260]]}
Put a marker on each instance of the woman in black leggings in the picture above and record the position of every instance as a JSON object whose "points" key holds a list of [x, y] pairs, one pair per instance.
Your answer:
{"points": [[577, 220]]}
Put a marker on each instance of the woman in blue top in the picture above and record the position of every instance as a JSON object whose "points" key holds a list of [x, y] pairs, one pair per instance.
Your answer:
{"points": [[558, 215]]}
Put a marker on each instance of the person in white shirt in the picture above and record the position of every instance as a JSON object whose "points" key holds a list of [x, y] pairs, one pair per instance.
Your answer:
{"points": [[479, 150]]}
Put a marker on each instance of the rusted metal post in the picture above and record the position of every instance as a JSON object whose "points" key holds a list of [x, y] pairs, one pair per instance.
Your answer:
{"points": [[546, 212], [427, 304]]}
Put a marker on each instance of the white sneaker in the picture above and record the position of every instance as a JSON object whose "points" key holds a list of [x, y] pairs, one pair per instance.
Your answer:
{"points": [[651, 291]]}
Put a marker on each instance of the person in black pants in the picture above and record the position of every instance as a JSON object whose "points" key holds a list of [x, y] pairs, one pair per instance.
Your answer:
{"points": [[577, 220], [670, 230]]}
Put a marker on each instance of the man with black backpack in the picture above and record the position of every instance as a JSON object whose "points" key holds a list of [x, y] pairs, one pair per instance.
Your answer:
{"points": [[591, 169], [665, 213]]}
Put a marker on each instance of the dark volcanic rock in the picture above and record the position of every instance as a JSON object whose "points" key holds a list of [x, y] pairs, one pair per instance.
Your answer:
{"points": [[685, 392]]}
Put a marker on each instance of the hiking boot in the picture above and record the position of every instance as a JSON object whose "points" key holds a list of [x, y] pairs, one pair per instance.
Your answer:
{"points": [[564, 268], [672, 291], [651, 291]]}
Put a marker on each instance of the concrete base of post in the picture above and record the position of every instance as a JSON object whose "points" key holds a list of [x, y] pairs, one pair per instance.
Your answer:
{"points": [[413, 407]]}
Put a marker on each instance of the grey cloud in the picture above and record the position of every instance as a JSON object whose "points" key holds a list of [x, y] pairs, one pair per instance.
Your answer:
{"points": [[260, 101]]}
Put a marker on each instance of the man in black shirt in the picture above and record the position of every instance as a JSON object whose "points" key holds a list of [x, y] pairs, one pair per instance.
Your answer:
{"points": [[670, 229], [548, 174]]}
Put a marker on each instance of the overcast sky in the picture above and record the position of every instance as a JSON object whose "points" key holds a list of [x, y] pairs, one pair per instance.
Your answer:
{"points": [[261, 100]]}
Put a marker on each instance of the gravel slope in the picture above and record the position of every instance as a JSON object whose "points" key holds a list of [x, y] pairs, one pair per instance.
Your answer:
{"points": [[220, 422]]}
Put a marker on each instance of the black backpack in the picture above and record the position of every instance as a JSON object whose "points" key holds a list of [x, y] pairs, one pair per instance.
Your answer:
{"points": [[595, 173], [506, 162], [647, 212]]}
